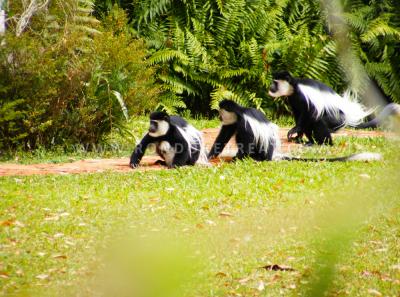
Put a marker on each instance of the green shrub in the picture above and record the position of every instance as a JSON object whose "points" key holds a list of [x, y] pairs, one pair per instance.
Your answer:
{"points": [[72, 85]]}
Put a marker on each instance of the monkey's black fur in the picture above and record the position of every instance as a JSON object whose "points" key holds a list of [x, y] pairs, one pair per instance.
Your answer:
{"points": [[256, 137], [318, 130], [333, 112], [183, 152]]}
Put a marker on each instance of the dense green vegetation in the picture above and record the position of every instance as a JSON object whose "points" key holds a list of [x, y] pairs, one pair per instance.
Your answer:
{"points": [[209, 230], [216, 49], [72, 70], [69, 79]]}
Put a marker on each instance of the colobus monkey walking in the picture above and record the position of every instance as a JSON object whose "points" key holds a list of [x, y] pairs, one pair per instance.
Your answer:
{"points": [[318, 110], [177, 142], [256, 137]]}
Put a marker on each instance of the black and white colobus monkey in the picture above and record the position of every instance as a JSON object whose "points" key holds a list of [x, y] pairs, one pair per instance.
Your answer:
{"points": [[318, 110], [177, 142], [256, 137]]}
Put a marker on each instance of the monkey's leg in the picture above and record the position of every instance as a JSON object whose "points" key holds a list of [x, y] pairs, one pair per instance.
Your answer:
{"points": [[321, 133], [270, 151], [309, 134], [240, 155]]}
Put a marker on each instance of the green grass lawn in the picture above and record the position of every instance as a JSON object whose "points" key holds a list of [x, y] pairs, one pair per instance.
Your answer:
{"points": [[207, 231]]}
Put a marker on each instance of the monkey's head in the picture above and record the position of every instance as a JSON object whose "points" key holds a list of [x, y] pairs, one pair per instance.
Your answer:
{"points": [[282, 84], [159, 124], [227, 111]]}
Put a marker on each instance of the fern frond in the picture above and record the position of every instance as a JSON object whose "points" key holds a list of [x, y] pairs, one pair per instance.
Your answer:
{"points": [[195, 48], [229, 73], [166, 55], [222, 93], [379, 28], [177, 85], [170, 103]]}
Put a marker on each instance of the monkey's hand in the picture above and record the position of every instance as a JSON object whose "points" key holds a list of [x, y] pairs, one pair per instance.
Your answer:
{"points": [[295, 131], [133, 165]]}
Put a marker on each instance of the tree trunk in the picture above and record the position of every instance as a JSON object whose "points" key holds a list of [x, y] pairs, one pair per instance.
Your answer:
{"points": [[2, 17]]}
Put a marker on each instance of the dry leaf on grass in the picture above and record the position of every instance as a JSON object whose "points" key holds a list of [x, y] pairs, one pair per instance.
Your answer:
{"points": [[59, 256], [211, 223], [244, 280], [225, 214], [12, 222], [374, 292], [395, 267], [276, 267], [3, 274], [7, 223], [42, 276], [260, 286]]}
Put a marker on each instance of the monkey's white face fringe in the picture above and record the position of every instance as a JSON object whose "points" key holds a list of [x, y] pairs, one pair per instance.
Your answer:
{"points": [[162, 129], [194, 138], [332, 104], [227, 117], [284, 89], [264, 133]]}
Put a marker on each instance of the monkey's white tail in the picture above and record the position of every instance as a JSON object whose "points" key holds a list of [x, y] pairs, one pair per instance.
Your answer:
{"points": [[354, 111], [332, 103], [365, 157]]}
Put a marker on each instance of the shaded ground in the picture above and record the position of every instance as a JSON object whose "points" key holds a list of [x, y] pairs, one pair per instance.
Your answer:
{"points": [[121, 164]]}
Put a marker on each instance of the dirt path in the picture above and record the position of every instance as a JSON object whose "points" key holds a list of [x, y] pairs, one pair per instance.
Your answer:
{"points": [[121, 164]]}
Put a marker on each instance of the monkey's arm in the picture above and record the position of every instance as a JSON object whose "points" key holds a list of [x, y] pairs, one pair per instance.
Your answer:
{"points": [[295, 130], [301, 124], [224, 135], [139, 151], [302, 115]]}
